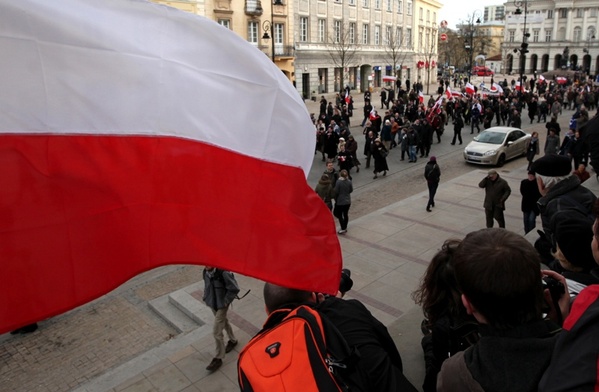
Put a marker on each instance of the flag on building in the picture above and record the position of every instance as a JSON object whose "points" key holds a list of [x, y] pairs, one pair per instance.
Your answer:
{"points": [[121, 153]]}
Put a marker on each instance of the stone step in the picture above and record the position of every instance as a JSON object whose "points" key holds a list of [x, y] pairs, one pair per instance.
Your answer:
{"points": [[172, 315], [191, 305]]}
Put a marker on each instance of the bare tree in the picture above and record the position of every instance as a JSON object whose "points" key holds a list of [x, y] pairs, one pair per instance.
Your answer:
{"points": [[342, 47], [452, 51], [428, 50], [396, 51]]}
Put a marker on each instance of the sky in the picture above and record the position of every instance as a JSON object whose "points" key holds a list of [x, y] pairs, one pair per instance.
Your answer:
{"points": [[453, 11]]}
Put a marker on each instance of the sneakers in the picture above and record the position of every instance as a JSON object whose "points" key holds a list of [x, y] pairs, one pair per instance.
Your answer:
{"points": [[230, 346], [214, 365], [342, 232]]}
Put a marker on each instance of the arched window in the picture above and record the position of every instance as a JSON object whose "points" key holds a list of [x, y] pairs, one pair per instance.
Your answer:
{"points": [[577, 34]]}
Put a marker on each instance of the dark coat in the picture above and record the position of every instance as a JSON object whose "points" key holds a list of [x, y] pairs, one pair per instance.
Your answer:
{"points": [[432, 172], [380, 162], [530, 195], [496, 192]]}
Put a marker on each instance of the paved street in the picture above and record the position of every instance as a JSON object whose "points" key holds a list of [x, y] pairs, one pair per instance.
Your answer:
{"points": [[117, 343]]}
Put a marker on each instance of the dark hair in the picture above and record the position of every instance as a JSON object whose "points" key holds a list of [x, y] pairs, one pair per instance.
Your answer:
{"points": [[277, 296], [438, 293], [499, 272]]}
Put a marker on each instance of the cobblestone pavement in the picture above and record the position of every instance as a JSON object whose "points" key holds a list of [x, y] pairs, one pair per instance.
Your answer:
{"points": [[73, 348]]}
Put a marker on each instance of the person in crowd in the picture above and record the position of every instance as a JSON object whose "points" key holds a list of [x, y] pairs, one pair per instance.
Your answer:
{"points": [[552, 143], [458, 124], [497, 274], [367, 110], [344, 158], [352, 147], [447, 328], [560, 190], [553, 124], [368, 143], [384, 98], [342, 192], [386, 134], [220, 289], [497, 191], [379, 153], [582, 173], [331, 141], [574, 363], [530, 195], [475, 113], [532, 148], [324, 189], [332, 173], [379, 366], [432, 174], [412, 140]]}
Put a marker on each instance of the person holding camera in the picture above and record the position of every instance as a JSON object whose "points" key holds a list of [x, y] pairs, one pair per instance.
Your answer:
{"points": [[499, 278], [497, 191]]}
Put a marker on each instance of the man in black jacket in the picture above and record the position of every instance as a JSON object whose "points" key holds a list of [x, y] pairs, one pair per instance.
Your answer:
{"points": [[432, 174], [497, 191]]}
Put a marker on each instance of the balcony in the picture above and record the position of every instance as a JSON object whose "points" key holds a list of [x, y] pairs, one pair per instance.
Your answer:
{"points": [[253, 8], [280, 50]]}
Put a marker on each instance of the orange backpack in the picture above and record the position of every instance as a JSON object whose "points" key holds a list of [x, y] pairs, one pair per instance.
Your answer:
{"points": [[297, 350]]}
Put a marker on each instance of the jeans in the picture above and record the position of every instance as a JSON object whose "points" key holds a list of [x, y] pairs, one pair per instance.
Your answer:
{"points": [[221, 323], [432, 190], [412, 151], [342, 215], [497, 214], [529, 221]]}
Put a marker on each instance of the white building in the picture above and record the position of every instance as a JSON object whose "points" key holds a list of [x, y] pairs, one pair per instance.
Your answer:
{"points": [[562, 34], [357, 42]]}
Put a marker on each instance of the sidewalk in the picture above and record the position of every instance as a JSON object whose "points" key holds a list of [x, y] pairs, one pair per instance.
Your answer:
{"points": [[387, 251]]}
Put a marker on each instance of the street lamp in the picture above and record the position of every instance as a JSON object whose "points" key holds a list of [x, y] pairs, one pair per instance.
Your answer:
{"points": [[524, 46], [268, 27], [590, 37], [470, 44]]}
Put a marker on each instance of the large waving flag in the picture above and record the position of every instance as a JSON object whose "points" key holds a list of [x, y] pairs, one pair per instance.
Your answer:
{"points": [[133, 136], [469, 88]]}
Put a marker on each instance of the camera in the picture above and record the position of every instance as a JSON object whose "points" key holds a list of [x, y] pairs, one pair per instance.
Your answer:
{"points": [[555, 287]]}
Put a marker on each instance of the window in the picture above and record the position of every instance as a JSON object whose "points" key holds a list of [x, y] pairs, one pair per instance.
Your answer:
{"points": [[225, 23], [365, 3], [303, 29], [409, 5], [337, 31], [548, 35], [593, 13], [352, 33], [420, 14], [400, 7], [590, 33], [377, 35], [399, 38], [549, 14], [377, 4], [535, 35], [352, 2], [579, 12], [420, 41], [409, 38], [434, 18], [365, 28], [279, 37], [322, 30], [389, 5], [577, 34], [563, 13], [428, 15], [512, 35], [253, 32], [388, 36]]}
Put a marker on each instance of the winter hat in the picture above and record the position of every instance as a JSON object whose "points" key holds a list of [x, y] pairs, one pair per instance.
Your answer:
{"points": [[433, 159], [492, 171], [573, 234], [552, 166]]}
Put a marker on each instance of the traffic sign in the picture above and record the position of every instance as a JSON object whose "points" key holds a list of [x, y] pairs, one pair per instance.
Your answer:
{"points": [[443, 37]]}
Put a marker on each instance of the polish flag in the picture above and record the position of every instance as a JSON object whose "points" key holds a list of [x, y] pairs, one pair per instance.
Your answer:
{"points": [[452, 94], [496, 87], [542, 78], [518, 87], [420, 97], [469, 88], [121, 151]]}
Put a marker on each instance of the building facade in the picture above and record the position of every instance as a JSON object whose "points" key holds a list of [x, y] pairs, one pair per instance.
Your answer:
{"points": [[561, 35]]}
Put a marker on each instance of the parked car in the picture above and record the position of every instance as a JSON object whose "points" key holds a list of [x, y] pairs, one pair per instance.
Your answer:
{"points": [[495, 146], [482, 71]]}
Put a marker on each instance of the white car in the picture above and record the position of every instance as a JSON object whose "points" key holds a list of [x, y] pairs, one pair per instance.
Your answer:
{"points": [[495, 146]]}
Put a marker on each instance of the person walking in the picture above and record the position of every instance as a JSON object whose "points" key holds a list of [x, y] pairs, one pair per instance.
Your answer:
{"points": [[530, 195], [220, 289], [342, 192], [325, 190], [432, 174], [532, 148], [497, 191], [379, 153], [458, 124]]}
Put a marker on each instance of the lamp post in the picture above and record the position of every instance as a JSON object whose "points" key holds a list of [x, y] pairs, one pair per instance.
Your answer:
{"points": [[470, 43], [524, 46], [590, 37], [268, 27]]}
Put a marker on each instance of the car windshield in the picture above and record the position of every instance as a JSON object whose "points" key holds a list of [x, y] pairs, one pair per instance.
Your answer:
{"points": [[491, 137]]}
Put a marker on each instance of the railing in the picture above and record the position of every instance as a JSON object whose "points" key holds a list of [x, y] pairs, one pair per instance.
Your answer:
{"points": [[253, 7]]}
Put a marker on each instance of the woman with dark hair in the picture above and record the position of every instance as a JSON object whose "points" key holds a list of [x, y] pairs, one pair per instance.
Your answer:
{"points": [[379, 153], [447, 328]]}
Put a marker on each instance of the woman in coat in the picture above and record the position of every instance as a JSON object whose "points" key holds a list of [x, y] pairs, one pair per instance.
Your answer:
{"points": [[379, 153], [343, 190], [532, 148]]}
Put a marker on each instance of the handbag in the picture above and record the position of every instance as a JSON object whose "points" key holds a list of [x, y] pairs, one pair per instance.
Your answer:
{"points": [[384, 153]]}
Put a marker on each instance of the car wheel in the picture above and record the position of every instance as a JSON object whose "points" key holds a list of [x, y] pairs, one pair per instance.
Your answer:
{"points": [[501, 160]]}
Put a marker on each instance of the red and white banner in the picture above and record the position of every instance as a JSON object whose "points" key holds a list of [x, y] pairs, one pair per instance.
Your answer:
{"points": [[469, 88], [132, 137], [420, 97], [452, 94]]}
